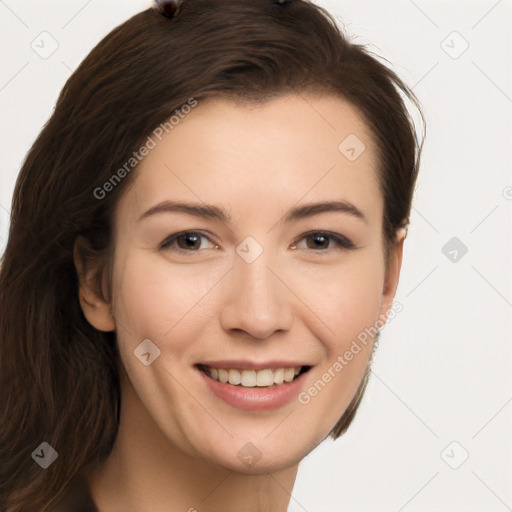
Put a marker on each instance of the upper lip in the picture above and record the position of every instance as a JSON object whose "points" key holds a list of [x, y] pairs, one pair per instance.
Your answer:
{"points": [[252, 365]]}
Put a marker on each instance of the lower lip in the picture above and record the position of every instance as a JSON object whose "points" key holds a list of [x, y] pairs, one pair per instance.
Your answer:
{"points": [[257, 398]]}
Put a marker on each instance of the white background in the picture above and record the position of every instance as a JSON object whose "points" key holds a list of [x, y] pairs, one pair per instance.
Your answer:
{"points": [[442, 373]]}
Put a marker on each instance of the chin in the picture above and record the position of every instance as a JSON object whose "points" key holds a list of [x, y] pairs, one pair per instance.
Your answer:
{"points": [[256, 458], [266, 464]]}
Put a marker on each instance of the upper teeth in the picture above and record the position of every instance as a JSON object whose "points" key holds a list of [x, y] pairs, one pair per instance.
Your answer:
{"points": [[253, 378]]}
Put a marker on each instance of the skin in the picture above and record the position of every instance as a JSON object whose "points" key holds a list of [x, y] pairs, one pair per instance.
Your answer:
{"points": [[177, 443]]}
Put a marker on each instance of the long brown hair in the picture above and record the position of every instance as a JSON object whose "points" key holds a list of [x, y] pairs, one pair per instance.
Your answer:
{"points": [[58, 375]]}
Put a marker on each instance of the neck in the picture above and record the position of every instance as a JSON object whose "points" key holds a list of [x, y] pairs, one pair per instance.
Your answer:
{"points": [[146, 471]]}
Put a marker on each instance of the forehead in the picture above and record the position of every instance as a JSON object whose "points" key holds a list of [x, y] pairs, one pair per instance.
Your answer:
{"points": [[257, 156]]}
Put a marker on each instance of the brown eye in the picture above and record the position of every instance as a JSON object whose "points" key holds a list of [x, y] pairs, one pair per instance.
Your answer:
{"points": [[188, 241], [320, 241]]}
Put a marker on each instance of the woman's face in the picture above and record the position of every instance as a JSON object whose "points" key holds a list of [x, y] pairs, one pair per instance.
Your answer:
{"points": [[255, 294]]}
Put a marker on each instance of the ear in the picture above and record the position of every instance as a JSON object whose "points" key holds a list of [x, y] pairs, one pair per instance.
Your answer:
{"points": [[92, 285], [392, 273]]}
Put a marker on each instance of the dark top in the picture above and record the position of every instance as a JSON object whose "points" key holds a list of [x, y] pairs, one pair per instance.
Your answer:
{"points": [[76, 499]]}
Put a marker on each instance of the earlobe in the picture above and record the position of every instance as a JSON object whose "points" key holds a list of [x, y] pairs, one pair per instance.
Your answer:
{"points": [[392, 273], [94, 307]]}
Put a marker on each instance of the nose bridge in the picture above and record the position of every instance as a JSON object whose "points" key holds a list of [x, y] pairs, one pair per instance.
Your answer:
{"points": [[257, 301]]}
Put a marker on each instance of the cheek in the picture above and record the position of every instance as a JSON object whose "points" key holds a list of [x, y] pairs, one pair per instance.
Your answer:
{"points": [[166, 303], [347, 301], [152, 295], [157, 301], [345, 298]]}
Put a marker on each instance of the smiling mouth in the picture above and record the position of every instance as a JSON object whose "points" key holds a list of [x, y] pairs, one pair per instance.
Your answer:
{"points": [[266, 377]]}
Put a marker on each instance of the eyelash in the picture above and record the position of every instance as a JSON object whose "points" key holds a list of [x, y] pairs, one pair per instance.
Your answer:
{"points": [[341, 242]]}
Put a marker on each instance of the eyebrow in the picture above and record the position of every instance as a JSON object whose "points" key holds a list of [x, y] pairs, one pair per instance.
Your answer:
{"points": [[213, 212]]}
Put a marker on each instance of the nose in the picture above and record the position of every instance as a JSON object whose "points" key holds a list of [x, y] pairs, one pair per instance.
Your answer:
{"points": [[257, 299]]}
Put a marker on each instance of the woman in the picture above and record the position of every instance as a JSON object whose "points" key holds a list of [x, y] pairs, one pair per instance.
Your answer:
{"points": [[205, 240]]}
